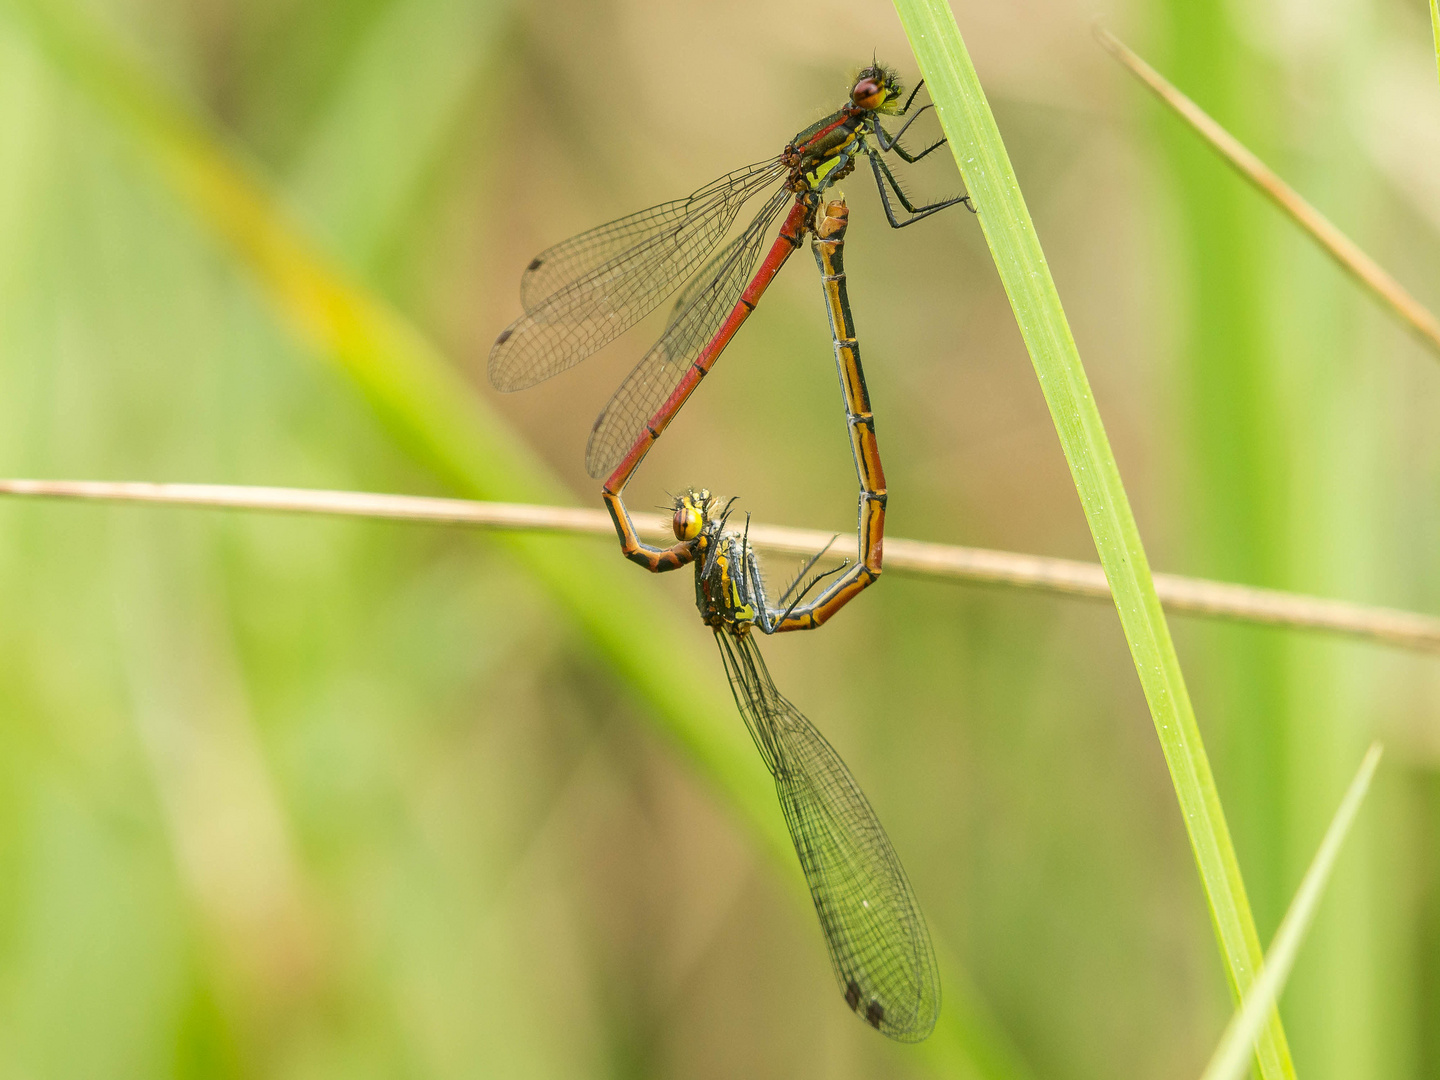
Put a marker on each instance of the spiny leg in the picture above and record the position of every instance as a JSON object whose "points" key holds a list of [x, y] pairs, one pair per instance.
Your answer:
{"points": [[806, 569], [882, 168], [769, 618], [918, 213], [912, 158], [890, 142], [910, 100], [789, 611]]}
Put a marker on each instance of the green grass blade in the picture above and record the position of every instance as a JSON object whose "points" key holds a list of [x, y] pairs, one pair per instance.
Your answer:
{"points": [[1435, 30], [980, 153], [433, 413], [1233, 1051]]}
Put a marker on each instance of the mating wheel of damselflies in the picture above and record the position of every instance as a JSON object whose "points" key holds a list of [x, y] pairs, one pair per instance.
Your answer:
{"points": [[583, 293]]}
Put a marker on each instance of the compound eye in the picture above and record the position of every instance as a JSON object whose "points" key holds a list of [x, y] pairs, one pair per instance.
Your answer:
{"points": [[687, 522], [868, 93]]}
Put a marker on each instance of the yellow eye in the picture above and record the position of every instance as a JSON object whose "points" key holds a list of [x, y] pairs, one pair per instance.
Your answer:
{"points": [[687, 522]]}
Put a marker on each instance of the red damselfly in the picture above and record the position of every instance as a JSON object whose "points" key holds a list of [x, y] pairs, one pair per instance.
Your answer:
{"points": [[879, 948], [581, 294]]}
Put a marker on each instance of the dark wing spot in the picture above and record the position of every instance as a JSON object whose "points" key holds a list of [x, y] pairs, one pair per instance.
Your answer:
{"points": [[535, 263], [852, 995], [874, 1013], [504, 335]]}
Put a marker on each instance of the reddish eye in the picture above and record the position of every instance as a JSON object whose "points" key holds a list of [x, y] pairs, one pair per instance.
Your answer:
{"points": [[867, 94]]}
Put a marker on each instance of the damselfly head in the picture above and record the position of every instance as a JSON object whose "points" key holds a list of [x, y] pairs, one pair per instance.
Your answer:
{"points": [[692, 511], [876, 88]]}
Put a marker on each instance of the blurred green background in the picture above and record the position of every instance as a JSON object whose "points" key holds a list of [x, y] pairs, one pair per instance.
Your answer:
{"points": [[305, 798]]}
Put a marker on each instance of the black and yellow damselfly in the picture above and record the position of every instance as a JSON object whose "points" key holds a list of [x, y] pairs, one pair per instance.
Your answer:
{"points": [[879, 948]]}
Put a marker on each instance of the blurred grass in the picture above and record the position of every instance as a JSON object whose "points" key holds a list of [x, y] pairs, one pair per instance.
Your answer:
{"points": [[1236, 1045], [424, 404], [979, 151], [1230, 472], [1310, 455], [1435, 31], [434, 57], [435, 415]]}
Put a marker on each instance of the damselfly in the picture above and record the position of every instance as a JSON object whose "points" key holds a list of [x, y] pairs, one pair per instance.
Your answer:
{"points": [[581, 294], [876, 936]]}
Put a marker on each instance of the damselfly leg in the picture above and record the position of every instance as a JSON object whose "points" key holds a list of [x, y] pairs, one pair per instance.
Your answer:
{"points": [[890, 142]]}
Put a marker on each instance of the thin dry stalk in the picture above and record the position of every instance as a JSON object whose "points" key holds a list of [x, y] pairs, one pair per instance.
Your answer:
{"points": [[1193, 596], [1339, 246]]}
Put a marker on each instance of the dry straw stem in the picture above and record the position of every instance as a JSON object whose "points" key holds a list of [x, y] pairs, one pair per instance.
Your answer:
{"points": [[980, 153], [1339, 246], [1065, 577], [1233, 1051]]}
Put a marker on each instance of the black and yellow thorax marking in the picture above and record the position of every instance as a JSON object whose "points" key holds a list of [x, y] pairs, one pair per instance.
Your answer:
{"points": [[722, 587], [824, 152], [722, 561]]}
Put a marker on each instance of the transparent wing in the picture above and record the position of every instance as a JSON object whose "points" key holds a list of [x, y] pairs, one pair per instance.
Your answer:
{"points": [[698, 313], [583, 293], [569, 261], [878, 943]]}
